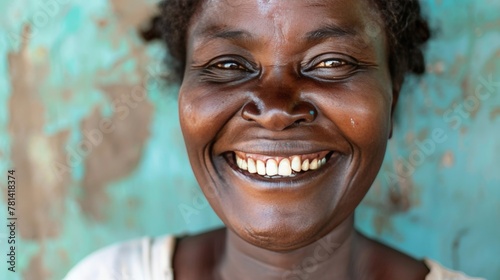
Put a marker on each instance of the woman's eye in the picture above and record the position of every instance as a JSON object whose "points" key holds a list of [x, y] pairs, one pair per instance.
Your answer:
{"points": [[331, 63], [229, 65], [226, 70], [330, 68]]}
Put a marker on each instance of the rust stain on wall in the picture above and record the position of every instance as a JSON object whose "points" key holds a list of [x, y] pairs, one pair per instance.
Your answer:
{"points": [[41, 190], [400, 191], [495, 113], [36, 269], [382, 223], [448, 159], [117, 144], [132, 13], [492, 62]]}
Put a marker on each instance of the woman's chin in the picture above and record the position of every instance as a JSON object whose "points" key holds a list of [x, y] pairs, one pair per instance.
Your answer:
{"points": [[280, 235]]}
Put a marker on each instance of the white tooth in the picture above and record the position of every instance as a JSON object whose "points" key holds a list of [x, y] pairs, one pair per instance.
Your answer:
{"points": [[271, 167], [296, 164], [261, 167], [285, 169], [238, 161], [323, 161], [305, 165], [244, 164], [251, 166], [314, 164], [319, 163]]}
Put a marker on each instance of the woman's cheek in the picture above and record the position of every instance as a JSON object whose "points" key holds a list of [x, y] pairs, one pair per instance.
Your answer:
{"points": [[364, 121], [203, 113], [369, 125]]}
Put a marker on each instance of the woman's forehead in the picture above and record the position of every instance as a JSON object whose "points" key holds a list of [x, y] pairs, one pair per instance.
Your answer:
{"points": [[284, 18], [288, 26]]}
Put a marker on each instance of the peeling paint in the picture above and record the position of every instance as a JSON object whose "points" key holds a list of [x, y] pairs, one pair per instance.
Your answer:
{"points": [[495, 113], [36, 269], [132, 13], [448, 159], [32, 152], [116, 147]]}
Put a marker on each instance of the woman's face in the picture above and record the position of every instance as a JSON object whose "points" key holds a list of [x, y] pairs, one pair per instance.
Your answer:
{"points": [[286, 109]]}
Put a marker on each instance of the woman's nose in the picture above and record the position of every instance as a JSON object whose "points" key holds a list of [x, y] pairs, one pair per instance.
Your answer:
{"points": [[279, 113]]}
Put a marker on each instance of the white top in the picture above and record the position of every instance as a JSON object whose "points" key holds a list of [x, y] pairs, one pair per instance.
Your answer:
{"points": [[151, 259], [139, 259]]}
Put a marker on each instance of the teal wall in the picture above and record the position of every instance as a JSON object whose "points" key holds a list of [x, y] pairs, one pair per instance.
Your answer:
{"points": [[99, 161]]}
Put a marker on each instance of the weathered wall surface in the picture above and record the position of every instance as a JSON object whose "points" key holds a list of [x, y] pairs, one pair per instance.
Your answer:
{"points": [[92, 132]]}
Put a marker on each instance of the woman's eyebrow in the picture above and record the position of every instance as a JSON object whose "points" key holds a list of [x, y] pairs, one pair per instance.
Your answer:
{"points": [[220, 32], [213, 32], [330, 31]]}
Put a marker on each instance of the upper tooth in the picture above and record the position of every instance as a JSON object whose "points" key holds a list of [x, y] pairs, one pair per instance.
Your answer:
{"points": [[261, 167], [314, 164], [251, 166], [305, 165], [244, 164], [296, 164], [285, 169], [272, 167]]}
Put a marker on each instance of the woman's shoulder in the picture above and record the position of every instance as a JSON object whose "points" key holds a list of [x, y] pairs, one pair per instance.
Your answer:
{"points": [[438, 272], [141, 258], [393, 264]]}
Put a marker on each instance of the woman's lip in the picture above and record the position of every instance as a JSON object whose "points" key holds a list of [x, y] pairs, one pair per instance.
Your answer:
{"points": [[279, 148]]}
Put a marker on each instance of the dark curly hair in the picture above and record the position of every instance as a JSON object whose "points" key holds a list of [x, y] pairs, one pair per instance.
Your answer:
{"points": [[406, 30]]}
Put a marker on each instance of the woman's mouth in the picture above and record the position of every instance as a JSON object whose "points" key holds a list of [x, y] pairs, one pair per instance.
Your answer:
{"points": [[277, 167]]}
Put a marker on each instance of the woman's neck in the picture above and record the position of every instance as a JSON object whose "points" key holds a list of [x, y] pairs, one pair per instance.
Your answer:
{"points": [[330, 255]]}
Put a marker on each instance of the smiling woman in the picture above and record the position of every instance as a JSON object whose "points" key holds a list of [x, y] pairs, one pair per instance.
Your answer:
{"points": [[286, 109]]}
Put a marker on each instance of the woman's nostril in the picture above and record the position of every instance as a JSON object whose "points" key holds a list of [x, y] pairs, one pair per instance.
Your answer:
{"points": [[279, 117], [250, 111], [297, 122], [306, 112]]}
